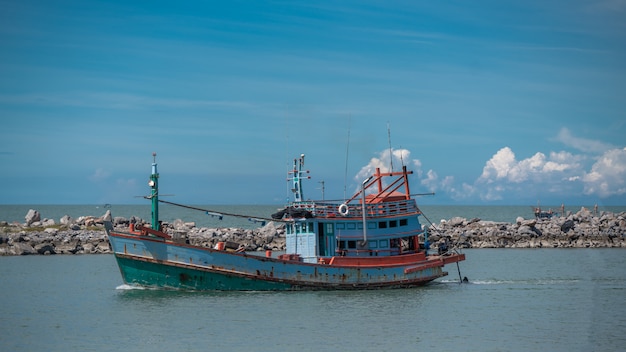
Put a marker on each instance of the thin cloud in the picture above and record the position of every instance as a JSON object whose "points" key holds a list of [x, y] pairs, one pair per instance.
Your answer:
{"points": [[585, 145], [99, 175]]}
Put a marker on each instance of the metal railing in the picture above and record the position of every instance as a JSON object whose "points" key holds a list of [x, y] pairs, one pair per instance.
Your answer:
{"points": [[386, 209]]}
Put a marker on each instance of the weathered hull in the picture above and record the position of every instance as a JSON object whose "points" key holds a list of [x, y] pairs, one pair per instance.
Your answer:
{"points": [[154, 262]]}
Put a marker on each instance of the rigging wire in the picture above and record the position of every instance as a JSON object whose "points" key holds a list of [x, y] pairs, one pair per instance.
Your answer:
{"points": [[454, 248], [220, 212]]}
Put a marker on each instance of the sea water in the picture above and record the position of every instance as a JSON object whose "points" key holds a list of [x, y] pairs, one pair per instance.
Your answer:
{"points": [[516, 300]]}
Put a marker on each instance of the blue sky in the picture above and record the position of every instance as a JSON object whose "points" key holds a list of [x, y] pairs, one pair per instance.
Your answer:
{"points": [[489, 102]]}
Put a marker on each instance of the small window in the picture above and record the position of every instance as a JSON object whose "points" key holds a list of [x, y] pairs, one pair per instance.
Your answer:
{"points": [[393, 223], [382, 225], [351, 226], [351, 244], [371, 225], [383, 244], [373, 244], [404, 222], [341, 226], [342, 244]]}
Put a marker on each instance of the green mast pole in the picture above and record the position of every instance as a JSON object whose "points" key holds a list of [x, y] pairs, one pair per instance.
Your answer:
{"points": [[154, 194]]}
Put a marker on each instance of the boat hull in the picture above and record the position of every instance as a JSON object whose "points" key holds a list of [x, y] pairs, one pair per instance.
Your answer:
{"points": [[155, 262]]}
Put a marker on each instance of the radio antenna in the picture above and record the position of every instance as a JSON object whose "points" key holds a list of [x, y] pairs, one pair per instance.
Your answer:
{"points": [[345, 177], [389, 141]]}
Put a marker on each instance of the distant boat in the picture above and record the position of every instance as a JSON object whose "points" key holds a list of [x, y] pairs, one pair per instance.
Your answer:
{"points": [[369, 241], [544, 214]]}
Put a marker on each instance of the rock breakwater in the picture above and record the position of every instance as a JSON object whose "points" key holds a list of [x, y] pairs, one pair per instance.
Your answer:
{"points": [[86, 235], [582, 229]]}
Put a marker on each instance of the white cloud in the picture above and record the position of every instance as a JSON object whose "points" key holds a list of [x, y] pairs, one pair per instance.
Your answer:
{"points": [[499, 165], [503, 174], [504, 166], [398, 158], [504, 177], [607, 176], [431, 181]]}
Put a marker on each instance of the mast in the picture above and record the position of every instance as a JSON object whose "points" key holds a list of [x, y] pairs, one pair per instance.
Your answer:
{"points": [[296, 178], [154, 194]]}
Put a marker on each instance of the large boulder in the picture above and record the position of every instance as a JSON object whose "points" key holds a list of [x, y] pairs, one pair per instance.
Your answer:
{"points": [[65, 220], [23, 248], [48, 222], [32, 216]]}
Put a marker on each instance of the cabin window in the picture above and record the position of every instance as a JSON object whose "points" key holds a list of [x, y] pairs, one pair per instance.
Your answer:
{"points": [[383, 244], [404, 222], [342, 244], [371, 225], [329, 228], [359, 226], [351, 226], [408, 243], [341, 226], [351, 244], [393, 223], [373, 244], [382, 224]]}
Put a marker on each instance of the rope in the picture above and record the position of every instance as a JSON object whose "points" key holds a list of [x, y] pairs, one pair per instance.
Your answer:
{"points": [[454, 246], [220, 212]]}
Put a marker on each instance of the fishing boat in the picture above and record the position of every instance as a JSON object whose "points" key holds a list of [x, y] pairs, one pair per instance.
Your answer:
{"points": [[372, 240]]}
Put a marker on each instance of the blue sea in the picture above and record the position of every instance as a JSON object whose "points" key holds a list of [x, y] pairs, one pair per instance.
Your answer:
{"points": [[516, 300]]}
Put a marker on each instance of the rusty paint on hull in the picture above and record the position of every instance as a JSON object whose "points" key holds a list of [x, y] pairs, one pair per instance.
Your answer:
{"points": [[155, 262]]}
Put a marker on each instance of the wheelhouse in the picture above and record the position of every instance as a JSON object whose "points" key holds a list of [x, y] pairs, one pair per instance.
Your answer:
{"points": [[384, 222]]}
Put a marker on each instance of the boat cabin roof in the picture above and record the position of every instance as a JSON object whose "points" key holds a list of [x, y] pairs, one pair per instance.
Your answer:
{"points": [[385, 197]]}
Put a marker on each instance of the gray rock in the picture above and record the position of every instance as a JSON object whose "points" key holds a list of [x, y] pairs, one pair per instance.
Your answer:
{"points": [[45, 248], [32, 216], [65, 220], [51, 231], [23, 248], [455, 221], [48, 222], [567, 225]]}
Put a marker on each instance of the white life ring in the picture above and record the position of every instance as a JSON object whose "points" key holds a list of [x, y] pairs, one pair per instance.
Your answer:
{"points": [[343, 209]]}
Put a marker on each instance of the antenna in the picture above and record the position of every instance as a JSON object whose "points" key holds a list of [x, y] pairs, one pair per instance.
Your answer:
{"points": [[287, 151], [389, 141], [322, 183], [345, 177]]}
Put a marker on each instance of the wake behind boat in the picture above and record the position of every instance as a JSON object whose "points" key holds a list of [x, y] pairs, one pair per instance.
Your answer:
{"points": [[372, 240]]}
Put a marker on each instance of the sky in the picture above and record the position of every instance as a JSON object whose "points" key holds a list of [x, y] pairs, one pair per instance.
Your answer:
{"points": [[488, 102]]}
